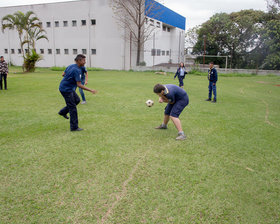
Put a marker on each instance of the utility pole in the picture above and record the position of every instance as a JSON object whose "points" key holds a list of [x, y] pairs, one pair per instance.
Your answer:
{"points": [[204, 38]]}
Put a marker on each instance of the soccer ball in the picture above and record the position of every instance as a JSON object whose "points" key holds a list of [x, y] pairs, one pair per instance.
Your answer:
{"points": [[149, 103]]}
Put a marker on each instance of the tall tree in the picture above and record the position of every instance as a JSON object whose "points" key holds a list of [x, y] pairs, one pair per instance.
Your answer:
{"points": [[131, 15], [235, 35], [29, 31]]}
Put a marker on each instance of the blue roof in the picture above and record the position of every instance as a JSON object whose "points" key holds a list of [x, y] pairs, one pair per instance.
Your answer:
{"points": [[159, 12]]}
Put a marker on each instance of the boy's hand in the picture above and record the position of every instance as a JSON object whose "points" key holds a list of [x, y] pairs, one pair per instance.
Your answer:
{"points": [[86, 82], [160, 100], [93, 91]]}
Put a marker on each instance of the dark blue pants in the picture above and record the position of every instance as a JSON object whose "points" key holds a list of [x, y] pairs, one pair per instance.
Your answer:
{"points": [[3, 76], [214, 89], [81, 90], [181, 82], [71, 100]]}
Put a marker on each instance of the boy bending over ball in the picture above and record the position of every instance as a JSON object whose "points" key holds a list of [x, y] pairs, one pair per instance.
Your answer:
{"points": [[177, 99]]}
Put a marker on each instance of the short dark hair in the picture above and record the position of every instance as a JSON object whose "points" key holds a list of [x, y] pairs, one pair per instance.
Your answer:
{"points": [[158, 88], [1, 56], [212, 63], [79, 57]]}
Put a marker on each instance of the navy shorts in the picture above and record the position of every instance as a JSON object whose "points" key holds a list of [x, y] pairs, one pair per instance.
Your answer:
{"points": [[176, 109]]}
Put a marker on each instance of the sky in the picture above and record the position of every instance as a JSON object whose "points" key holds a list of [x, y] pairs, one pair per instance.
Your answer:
{"points": [[195, 11]]}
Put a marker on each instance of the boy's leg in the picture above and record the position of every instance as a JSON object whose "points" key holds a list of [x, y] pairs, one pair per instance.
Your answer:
{"points": [[215, 92], [177, 123], [167, 110], [5, 80], [82, 92], [1, 80], [210, 90]]}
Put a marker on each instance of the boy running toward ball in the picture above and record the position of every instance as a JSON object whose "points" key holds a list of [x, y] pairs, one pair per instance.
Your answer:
{"points": [[177, 99]]}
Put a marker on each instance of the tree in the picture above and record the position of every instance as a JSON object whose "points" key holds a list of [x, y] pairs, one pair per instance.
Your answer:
{"points": [[236, 35], [29, 30], [191, 37], [131, 15]]}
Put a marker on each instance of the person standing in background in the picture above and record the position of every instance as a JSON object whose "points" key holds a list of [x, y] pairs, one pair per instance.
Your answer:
{"points": [[213, 78], [4, 70]]}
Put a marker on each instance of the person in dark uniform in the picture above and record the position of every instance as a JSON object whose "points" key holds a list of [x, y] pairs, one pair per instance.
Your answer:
{"points": [[4, 70], [213, 78], [181, 73], [71, 80], [177, 99]]}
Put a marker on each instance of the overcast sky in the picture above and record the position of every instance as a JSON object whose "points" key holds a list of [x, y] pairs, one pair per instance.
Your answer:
{"points": [[195, 11]]}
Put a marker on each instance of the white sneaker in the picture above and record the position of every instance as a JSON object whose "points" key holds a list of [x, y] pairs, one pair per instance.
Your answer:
{"points": [[181, 137], [83, 102]]}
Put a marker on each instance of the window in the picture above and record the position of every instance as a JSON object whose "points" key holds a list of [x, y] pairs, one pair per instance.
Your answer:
{"points": [[84, 22], [93, 22], [6, 51], [151, 22], [167, 53], [41, 24], [56, 24], [168, 29], [158, 24], [48, 24], [12, 51], [158, 52], [65, 23], [163, 53], [74, 22], [75, 51], [19, 51], [153, 52], [66, 51], [42, 51], [164, 28], [84, 51], [49, 51], [146, 20], [93, 51], [57, 51]]}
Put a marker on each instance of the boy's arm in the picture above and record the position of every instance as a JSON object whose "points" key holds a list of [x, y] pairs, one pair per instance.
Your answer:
{"points": [[86, 82], [63, 74]]}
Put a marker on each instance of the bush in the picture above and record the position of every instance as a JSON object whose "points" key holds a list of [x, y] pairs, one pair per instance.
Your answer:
{"points": [[143, 63], [30, 61]]}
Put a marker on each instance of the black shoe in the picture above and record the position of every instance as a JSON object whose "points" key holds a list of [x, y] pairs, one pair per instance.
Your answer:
{"points": [[64, 115], [214, 101], [208, 99], [78, 129]]}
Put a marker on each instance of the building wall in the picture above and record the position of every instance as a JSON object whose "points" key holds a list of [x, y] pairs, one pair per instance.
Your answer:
{"points": [[105, 37]]}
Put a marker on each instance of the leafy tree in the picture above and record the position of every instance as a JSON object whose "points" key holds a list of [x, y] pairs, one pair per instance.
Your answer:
{"points": [[236, 35], [29, 31]]}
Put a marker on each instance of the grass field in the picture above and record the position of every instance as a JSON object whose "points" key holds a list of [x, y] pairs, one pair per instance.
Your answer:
{"points": [[122, 170]]}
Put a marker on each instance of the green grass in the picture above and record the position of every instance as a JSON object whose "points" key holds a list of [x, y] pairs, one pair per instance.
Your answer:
{"points": [[121, 170]]}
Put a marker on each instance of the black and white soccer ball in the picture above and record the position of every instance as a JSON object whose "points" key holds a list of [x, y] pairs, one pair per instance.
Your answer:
{"points": [[149, 103]]}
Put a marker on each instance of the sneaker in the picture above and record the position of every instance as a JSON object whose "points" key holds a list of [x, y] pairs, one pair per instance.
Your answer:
{"points": [[161, 127], [208, 99], [83, 102], [64, 115], [181, 137], [214, 101], [78, 129]]}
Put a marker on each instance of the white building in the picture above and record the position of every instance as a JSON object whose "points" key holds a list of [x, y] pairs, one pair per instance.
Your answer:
{"points": [[88, 27]]}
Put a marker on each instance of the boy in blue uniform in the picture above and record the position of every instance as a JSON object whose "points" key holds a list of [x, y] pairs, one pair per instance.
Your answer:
{"points": [[213, 78], [177, 99], [84, 80], [72, 79]]}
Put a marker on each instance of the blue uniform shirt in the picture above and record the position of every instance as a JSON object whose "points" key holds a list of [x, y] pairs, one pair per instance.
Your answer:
{"points": [[174, 93], [72, 75]]}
